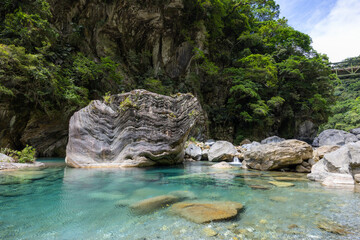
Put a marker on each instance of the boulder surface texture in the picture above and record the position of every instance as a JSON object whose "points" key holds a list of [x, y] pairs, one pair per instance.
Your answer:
{"points": [[273, 139], [194, 151], [277, 155], [222, 151], [134, 129], [334, 137], [206, 212], [338, 167]]}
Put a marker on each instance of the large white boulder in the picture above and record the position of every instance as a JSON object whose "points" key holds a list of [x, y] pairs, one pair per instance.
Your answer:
{"points": [[222, 151]]}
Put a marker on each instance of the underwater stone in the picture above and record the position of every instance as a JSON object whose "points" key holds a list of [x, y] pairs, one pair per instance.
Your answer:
{"points": [[134, 129], [152, 204], [206, 212], [281, 184]]}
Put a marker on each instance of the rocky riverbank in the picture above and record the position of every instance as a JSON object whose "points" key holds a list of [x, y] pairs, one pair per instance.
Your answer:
{"points": [[334, 165], [8, 163]]}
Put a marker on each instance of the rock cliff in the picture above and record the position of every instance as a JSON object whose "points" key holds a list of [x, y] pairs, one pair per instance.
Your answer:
{"points": [[138, 128], [142, 33]]}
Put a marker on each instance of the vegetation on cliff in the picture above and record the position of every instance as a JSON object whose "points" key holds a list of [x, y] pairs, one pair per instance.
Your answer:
{"points": [[253, 73], [345, 113]]}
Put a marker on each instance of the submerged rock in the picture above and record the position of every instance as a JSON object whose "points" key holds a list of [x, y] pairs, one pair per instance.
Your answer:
{"points": [[222, 151], [261, 187], [134, 129], [277, 155], [206, 212], [334, 137], [209, 232], [290, 179], [182, 195], [281, 184], [222, 165], [332, 227], [279, 199], [152, 204]]}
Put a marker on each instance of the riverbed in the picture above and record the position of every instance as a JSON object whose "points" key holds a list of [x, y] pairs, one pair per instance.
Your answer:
{"points": [[58, 202]]}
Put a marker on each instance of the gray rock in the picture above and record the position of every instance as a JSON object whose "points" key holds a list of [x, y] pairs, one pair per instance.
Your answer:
{"points": [[355, 131], [302, 169], [357, 178], [345, 161], [307, 131], [273, 139], [7, 163], [222, 151], [339, 180], [334, 137], [319, 171], [210, 142], [279, 155], [251, 145], [358, 136], [133, 129], [205, 154], [6, 158], [194, 152]]}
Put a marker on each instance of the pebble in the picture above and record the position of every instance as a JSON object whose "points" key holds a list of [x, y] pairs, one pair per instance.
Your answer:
{"points": [[209, 232]]}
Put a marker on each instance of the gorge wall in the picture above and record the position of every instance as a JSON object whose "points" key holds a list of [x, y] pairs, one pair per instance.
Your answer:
{"points": [[219, 51]]}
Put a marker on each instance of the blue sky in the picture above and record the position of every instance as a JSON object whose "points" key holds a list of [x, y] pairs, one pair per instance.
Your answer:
{"points": [[333, 25]]}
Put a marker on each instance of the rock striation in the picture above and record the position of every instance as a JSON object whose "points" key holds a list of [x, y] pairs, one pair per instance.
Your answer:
{"points": [[134, 129], [278, 155]]}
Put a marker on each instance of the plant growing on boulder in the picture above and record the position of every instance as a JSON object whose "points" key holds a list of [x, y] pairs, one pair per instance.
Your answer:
{"points": [[27, 155]]}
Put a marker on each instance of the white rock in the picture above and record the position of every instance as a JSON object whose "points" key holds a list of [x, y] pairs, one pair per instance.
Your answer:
{"points": [[194, 151], [222, 151], [222, 165], [339, 180]]}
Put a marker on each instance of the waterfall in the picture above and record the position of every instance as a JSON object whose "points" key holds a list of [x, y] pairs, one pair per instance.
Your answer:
{"points": [[236, 161]]}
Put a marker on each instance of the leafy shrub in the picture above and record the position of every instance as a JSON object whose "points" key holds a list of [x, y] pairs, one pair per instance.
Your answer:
{"points": [[27, 155]]}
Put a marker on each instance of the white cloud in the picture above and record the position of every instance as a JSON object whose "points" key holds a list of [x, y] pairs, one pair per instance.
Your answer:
{"points": [[338, 34]]}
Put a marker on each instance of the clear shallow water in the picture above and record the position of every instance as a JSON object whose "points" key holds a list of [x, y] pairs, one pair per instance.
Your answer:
{"points": [[66, 203]]}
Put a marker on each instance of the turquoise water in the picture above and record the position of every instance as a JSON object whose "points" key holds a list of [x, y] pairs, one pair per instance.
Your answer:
{"points": [[65, 203]]}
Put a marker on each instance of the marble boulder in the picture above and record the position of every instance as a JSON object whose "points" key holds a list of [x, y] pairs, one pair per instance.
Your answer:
{"points": [[134, 129]]}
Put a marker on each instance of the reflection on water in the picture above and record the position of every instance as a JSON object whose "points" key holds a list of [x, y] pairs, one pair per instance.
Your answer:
{"points": [[65, 203]]}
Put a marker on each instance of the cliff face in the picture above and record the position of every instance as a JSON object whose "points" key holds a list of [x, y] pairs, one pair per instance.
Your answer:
{"points": [[140, 35], [137, 33]]}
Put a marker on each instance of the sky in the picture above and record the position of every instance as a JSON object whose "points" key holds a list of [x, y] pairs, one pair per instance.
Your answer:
{"points": [[333, 25]]}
